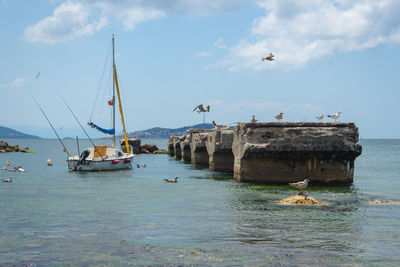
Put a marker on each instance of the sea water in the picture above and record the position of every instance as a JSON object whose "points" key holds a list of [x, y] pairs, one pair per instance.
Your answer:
{"points": [[52, 217]]}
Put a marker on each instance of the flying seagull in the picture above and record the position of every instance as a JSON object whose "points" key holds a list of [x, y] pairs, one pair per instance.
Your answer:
{"points": [[335, 116], [270, 57], [279, 116], [201, 108], [320, 118], [37, 75], [301, 184]]}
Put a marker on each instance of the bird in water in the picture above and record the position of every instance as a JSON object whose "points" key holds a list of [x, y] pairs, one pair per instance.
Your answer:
{"points": [[7, 180], [320, 118], [8, 163], [49, 162], [144, 165], [279, 116], [335, 116], [270, 57], [138, 165], [175, 180]]}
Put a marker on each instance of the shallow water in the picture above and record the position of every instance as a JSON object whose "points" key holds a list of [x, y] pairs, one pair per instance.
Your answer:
{"points": [[52, 217]]}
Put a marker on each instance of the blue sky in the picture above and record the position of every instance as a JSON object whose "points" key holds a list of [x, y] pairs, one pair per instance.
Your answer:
{"points": [[337, 55]]}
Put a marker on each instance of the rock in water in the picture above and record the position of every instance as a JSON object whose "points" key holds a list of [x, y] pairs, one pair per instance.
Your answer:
{"points": [[301, 200]]}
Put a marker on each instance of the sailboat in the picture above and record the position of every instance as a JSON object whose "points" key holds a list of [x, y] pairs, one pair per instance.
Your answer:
{"points": [[101, 158]]}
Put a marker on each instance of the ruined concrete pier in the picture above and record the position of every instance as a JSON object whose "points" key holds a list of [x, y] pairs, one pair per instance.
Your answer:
{"points": [[176, 143], [198, 141], [219, 148], [185, 149], [285, 152]]}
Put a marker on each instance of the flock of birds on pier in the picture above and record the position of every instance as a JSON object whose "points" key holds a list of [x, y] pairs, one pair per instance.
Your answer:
{"points": [[335, 116]]}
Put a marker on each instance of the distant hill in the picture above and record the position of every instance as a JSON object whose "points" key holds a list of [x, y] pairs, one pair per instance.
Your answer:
{"points": [[10, 133], [159, 132]]}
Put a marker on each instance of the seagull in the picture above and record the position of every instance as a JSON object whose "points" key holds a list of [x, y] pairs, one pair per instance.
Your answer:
{"points": [[320, 118], [37, 76], [279, 116], [202, 109], [7, 180], [138, 165], [270, 57], [301, 184], [335, 116], [144, 165], [49, 162], [254, 119], [8, 163], [175, 180]]}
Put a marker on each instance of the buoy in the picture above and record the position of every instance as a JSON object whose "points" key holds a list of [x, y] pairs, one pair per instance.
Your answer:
{"points": [[21, 170], [7, 162], [49, 162]]}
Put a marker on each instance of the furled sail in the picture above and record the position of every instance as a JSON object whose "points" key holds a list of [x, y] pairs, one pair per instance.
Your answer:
{"points": [[104, 131]]}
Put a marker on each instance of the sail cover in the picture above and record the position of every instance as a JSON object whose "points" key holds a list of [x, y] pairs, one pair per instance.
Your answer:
{"points": [[104, 131]]}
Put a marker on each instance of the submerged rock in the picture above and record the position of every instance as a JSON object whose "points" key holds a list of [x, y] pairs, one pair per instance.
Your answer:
{"points": [[301, 200], [384, 202]]}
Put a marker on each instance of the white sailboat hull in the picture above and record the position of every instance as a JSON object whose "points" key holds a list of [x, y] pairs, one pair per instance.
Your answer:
{"points": [[98, 164]]}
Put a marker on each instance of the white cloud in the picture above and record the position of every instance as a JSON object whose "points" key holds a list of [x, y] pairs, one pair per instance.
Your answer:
{"points": [[219, 44], [69, 20], [204, 54], [18, 82], [298, 32], [76, 18]]}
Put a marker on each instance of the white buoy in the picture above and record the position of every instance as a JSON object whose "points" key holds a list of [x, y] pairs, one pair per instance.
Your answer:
{"points": [[49, 162], [21, 170]]}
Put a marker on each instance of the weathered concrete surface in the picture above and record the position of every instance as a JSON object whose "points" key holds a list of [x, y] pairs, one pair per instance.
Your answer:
{"points": [[171, 150], [219, 148], [199, 154], [285, 152], [185, 149], [177, 146]]}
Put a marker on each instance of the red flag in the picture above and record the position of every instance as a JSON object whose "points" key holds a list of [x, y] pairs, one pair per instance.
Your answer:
{"points": [[110, 102]]}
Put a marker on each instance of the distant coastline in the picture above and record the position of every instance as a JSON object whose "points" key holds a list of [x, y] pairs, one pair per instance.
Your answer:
{"points": [[161, 133], [11, 133]]}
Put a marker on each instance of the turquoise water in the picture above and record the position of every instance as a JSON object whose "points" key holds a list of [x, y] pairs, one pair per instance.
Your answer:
{"points": [[52, 217]]}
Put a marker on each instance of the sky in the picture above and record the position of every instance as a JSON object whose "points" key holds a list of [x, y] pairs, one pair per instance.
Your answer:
{"points": [[330, 56]]}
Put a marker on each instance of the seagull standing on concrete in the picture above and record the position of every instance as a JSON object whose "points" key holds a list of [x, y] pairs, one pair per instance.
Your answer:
{"points": [[335, 116], [253, 120], [279, 116], [320, 118]]}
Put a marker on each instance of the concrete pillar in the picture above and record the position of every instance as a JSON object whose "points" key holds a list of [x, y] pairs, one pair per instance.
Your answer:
{"points": [[177, 146], [199, 154], [171, 150], [219, 148], [285, 152], [185, 149]]}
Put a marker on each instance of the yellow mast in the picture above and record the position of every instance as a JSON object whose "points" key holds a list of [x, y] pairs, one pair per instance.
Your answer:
{"points": [[120, 109]]}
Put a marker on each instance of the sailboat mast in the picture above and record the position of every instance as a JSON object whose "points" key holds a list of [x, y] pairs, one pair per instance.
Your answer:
{"points": [[113, 99]]}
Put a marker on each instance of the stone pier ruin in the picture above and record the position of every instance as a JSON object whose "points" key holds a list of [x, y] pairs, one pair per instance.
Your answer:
{"points": [[282, 152], [199, 154], [185, 149], [219, 148]]}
